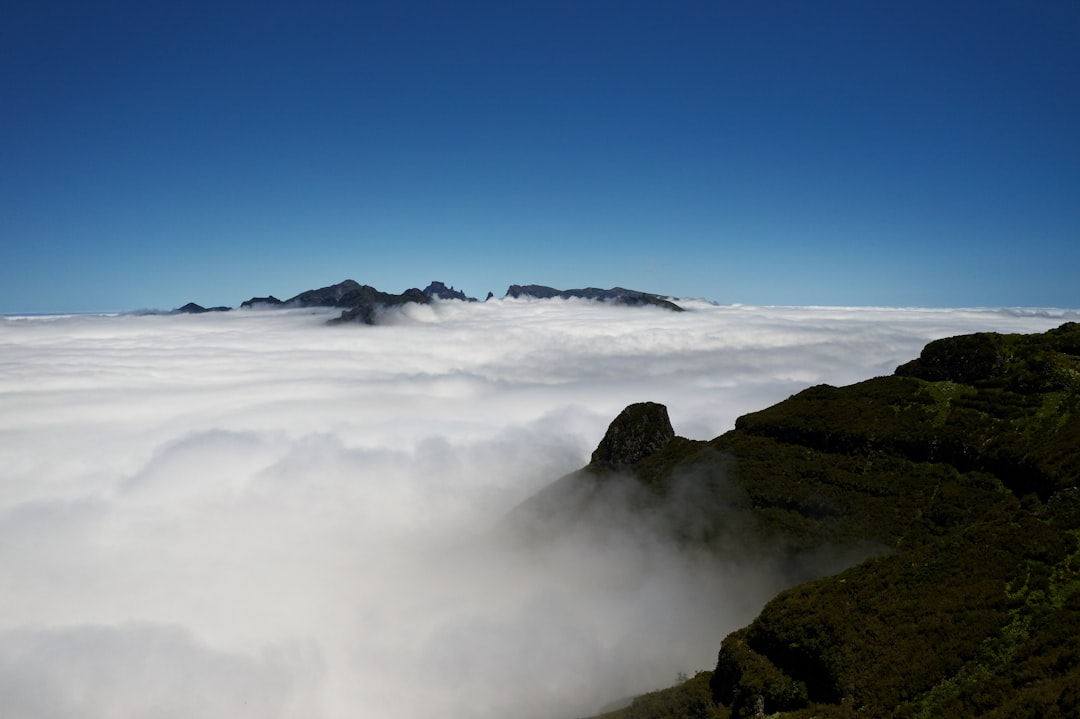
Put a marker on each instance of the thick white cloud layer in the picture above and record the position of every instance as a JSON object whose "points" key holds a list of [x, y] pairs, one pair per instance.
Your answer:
{"points": [[255, 514]]}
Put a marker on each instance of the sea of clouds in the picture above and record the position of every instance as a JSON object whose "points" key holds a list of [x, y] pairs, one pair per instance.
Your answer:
{"points": [[253, 514]]}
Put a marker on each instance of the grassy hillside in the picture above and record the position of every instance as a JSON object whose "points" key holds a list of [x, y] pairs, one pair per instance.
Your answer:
{"points": [[958, 474]]}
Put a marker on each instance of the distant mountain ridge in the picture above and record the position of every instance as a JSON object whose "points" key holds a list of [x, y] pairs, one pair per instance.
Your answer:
{"points": [[616, 295], [194, 309], [362, 303]]}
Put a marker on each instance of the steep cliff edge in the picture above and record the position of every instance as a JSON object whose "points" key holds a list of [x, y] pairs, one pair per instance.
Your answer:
{"points": [[957, 476]]}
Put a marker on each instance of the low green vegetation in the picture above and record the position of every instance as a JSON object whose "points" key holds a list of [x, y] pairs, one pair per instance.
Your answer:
{"points": [[690, 699], [956, 479]]}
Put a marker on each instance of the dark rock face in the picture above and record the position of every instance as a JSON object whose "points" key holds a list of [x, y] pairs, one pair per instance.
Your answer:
{"points": [[270, 301], [438, 290], [639, 431], [616, 295]]}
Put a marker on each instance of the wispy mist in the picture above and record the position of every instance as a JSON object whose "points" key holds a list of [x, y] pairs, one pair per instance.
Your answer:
{"points": [[254, 514]]}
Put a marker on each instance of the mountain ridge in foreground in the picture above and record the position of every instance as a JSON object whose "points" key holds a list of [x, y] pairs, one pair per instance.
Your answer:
{"points": [[949, 486]]}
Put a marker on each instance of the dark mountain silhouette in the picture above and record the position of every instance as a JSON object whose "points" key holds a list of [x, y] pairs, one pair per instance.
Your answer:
{"points": [[270, 301], [193, 309], [956, 481], [437, 290], [344, 294], [616, 295], [366, 302], [361, 303]]}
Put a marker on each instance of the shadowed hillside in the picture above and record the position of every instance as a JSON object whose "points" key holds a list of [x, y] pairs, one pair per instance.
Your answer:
{"points": [[954, 481]]}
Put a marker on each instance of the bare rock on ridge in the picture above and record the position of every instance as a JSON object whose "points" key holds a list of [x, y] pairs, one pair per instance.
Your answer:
{"points": [[639, 431]]}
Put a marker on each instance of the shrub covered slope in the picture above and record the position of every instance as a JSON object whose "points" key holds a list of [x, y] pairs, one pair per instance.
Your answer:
{"points": [[958, 474]]}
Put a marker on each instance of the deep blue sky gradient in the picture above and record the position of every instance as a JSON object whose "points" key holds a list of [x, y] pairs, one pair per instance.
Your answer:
{"points": [[852, 153]]}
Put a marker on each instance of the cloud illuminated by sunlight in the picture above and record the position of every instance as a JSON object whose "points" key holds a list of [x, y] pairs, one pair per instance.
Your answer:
{"points": [[255, 514]]}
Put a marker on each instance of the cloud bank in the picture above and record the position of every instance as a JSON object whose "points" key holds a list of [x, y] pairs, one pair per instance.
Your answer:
{"points": [[253, 514]]}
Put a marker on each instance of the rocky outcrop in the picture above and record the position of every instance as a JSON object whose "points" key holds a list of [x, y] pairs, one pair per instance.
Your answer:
{"points": [[615, 295], [638, 432]]}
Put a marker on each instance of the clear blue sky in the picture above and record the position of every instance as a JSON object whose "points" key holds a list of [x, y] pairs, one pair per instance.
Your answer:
{"points": [[856, 153]]}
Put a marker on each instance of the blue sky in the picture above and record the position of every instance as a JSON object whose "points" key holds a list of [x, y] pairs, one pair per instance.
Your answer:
{"points": [[837, 153]]}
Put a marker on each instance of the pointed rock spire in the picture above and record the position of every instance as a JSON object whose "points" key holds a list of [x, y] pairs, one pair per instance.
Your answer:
{"points": [[640, 430]]}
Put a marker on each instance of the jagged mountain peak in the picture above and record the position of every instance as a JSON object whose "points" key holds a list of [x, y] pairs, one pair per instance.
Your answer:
{"points": [[439, 290]]}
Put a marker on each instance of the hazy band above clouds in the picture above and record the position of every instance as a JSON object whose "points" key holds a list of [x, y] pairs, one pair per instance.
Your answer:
{"points": [[253, 514]]}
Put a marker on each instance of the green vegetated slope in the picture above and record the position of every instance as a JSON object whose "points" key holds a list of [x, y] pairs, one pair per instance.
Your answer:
{"points": [[958, 474]]}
